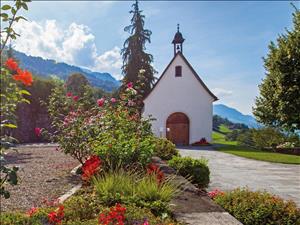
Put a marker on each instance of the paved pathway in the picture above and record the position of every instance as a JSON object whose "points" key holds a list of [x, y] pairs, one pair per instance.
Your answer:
{"points": [[230, 171]]}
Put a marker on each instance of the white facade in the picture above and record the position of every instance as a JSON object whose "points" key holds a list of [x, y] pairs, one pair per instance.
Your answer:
{"points": [[186, 94]]}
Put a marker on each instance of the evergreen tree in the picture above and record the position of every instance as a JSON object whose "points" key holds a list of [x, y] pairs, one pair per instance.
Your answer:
{"points": [[134, 56], [279, 100]]}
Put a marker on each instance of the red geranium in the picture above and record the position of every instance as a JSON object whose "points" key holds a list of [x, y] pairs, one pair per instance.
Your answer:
{"points": [[154, 169], [69, 94], [90, 167], [56, 216], [32, 211], [11, 64], [116, 216]]}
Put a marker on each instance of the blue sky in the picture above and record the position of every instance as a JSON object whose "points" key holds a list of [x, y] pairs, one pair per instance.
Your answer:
{"points": [[225, 41]]}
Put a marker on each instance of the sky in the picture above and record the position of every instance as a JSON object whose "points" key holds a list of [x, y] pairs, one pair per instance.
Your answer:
{"points": [[224, 40]]}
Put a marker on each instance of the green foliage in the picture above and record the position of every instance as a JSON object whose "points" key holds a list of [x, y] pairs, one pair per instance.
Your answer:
{"points": [[224, 125], [259, 208], [134, 56], [165, 149], [135, 188], [11, 94], [279, 100], [267, 137], [195, 169]]}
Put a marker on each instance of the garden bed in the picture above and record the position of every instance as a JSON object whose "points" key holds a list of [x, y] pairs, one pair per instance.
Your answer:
{"points": [[44, 174]]}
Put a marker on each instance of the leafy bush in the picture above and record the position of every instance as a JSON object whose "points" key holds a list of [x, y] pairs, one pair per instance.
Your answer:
{"points": [[196, 169], [258, 208], [267, 137], [131, 187], [165, 149]]}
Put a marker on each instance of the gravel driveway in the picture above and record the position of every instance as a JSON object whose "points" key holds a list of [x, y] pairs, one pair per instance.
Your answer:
{"points": [[230, 171], [44, 174]]}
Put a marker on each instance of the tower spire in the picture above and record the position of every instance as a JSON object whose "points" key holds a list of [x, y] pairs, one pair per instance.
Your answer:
{"points": [[177, 41]]}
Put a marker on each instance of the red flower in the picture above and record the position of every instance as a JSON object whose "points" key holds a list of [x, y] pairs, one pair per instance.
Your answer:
{"points": [[32, 211], [154, 169], [12, 64], [69, 94], [215, 193], [115, 216], [113, 100], [38, 131], [90, 167], [24, 76], [100, 102], [56, 216], [75, 98], [130, 85]]}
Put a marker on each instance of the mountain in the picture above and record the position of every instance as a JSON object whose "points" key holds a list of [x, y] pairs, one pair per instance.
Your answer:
{"points": [[47, 67], [234, 115]]}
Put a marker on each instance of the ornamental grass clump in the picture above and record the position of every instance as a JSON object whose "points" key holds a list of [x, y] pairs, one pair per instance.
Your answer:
{"points": [[129, 187]]}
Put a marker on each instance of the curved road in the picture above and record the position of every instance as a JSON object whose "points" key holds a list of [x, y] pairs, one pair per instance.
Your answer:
{"points": [[229, 171]]}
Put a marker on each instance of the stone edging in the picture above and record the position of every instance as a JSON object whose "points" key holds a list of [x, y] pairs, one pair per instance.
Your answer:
{"points": [[73, 190], [193, 206]]}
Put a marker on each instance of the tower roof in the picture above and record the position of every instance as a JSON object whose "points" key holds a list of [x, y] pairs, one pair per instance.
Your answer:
{"points": [[178, 38]]}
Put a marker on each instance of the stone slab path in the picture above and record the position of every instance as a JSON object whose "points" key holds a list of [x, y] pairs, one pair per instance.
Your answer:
{"points": [[230, 171]]}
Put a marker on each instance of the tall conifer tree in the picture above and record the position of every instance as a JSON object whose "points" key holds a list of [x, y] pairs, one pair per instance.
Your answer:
{"points": [[134, 56]]}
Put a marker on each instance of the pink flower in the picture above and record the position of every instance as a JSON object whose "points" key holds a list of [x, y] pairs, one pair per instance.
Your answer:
{"points": [[214, 193], [146, 222], [69, 94], [75, 98], [113, 100], [130, 85], [37, 131], [100, 102]]}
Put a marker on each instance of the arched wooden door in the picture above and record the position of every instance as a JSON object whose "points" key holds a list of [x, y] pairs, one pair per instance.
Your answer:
{"points": [[178, 127]]}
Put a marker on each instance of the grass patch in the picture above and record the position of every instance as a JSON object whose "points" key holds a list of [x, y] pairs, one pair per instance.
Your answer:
{"points": [[232, 147], [224, 129]]}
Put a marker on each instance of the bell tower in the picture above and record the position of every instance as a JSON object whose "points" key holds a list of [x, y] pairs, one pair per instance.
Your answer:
{"points": [[177, 41]]}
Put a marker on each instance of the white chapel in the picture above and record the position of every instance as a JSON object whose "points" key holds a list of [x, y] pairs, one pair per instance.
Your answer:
{"points": [[180, 102]]}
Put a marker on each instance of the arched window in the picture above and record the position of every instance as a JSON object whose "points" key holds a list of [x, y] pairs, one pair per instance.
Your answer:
{"points": [[178, 71]]}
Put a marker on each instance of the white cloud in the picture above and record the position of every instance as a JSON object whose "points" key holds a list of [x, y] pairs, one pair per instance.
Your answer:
{"points": [[109, 60], [74, 44], [221, 93]]}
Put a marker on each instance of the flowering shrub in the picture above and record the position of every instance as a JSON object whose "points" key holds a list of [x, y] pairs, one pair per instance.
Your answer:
{"points": [[56, 217], [202, 142], [90, 167], [114, 217], [112, 129], [256, 208]]}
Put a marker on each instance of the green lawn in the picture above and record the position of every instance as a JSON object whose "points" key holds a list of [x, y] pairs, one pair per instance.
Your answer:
{"points": [[233, 148]]}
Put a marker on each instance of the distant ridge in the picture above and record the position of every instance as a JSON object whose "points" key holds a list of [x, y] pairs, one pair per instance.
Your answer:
{"points": [[47, 67], [234, 115]]}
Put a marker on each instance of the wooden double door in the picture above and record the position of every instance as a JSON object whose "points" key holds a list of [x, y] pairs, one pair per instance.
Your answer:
{"points": [[178, 127]]}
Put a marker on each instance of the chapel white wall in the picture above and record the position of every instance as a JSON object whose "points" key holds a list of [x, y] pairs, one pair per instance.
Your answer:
{"points": [[180, 94]]}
